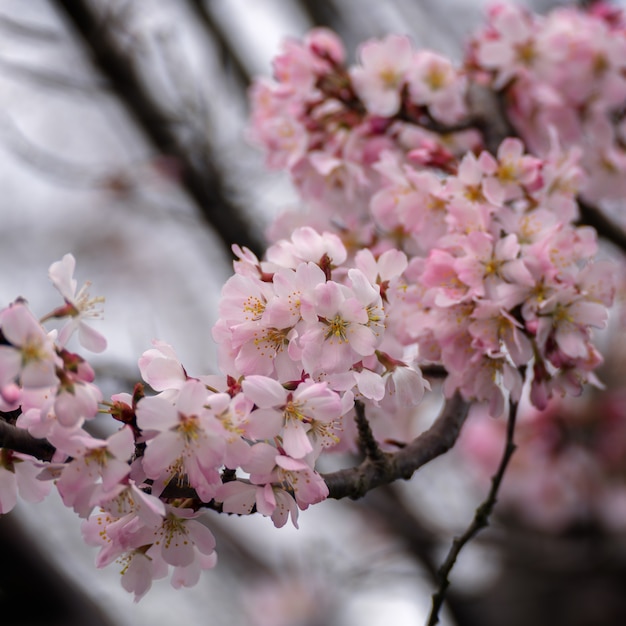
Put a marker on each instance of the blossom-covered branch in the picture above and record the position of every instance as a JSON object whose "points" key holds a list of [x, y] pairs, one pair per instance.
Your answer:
{"points": [[440, 233]]}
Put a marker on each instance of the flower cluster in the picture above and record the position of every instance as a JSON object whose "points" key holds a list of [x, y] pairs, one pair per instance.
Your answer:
{"points": [[566, 70], [497, 276], [510, 281], [327, 124], [50, 392], [421, 249]]}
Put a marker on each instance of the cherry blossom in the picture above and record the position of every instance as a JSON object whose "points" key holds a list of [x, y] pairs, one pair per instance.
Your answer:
{"points": [[96, 466], [78, 306], [382, 73], [306, 414], [30, 356], [19, 478]]}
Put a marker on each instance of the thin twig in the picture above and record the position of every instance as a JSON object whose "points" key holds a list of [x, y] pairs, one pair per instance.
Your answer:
{"points": [[366, 441], [480, 521]]}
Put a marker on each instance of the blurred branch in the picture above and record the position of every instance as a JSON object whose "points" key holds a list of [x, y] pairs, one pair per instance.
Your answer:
{"points": [[480, 521], [28, 570], [322, 13], [49, 78], [355, 482], [204, 184], [60, 169], [229, 54], [487, 108], [390, 507], [28, 29], [605, 227]]}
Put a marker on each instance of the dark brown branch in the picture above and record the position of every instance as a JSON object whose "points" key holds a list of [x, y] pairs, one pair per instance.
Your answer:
{"points": [[201, 181], [323, 14], [487, 109], [480, 521], [20, 440], [366, 441], [378, 468], [355, 482], [605, 227]]}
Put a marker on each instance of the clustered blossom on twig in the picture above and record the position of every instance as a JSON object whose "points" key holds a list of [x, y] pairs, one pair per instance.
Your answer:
{"points": [[420, 247]]}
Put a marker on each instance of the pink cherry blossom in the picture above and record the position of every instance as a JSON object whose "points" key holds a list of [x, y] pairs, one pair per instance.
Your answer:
{"points": [[510, 172], [306, 244], [19, 477], [30, 355], [240, 497], [78, 306], [305, 414], [381, 75], [565, 318], [511, 48], [161, 368], [97, 466], [184, 437], [180, 537], [434, 82], [269, 465], [345, 331]]}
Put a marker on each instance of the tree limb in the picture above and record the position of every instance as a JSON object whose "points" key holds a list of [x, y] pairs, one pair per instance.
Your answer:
{"points": [[375, 470], [230, 54], [201, 181], [20, 440], [604, 226], [355, 482], [480, 521]]}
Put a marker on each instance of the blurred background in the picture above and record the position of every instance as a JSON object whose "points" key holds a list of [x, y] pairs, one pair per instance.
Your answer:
{"points": [[122, 141]]}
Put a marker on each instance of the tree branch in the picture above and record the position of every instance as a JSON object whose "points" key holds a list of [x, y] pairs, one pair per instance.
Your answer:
{"points": [[366, 441], [480, 521], [355, 482], [487, 109], [229, 53], [605, 227], [201, 181], [20, 440], [378, 468]]}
